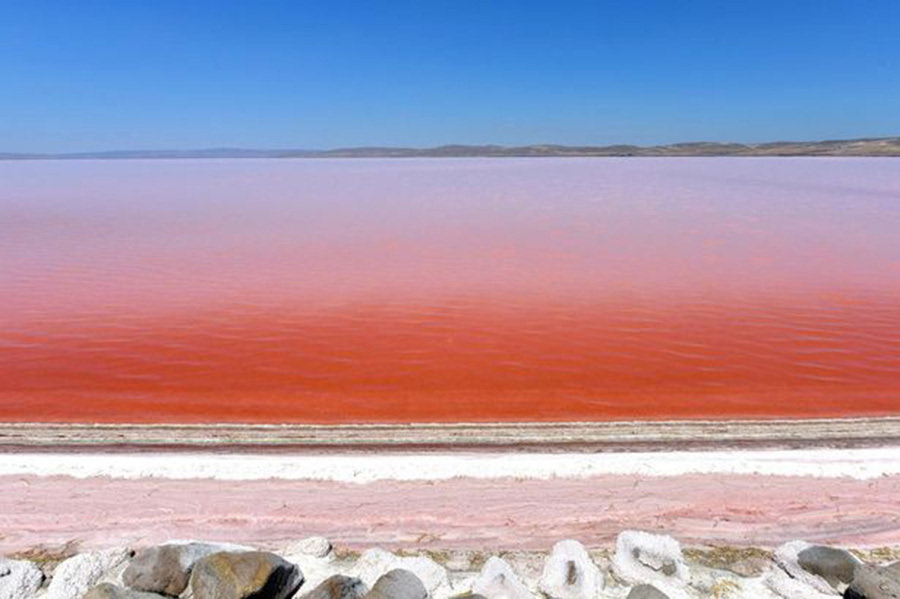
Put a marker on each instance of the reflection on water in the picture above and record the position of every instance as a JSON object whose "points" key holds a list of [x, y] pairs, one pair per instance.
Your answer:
{"points": [[436, 290]]}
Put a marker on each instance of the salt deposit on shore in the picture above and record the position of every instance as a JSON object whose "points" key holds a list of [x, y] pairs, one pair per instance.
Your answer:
{"points": [[451, 500], [858, 464], [640, 565]]}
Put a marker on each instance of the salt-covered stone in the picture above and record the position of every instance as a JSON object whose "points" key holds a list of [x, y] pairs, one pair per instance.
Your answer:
{"points": [[318, 547], [641, 556], [316, 570], [570, 573], [498, 581], [787, 557], [783, 585], [374, 563], [19, 579], [74, 576], [645, 558]]}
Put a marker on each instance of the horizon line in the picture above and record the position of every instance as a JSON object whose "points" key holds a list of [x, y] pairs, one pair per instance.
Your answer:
{"points": [[864, 146]]}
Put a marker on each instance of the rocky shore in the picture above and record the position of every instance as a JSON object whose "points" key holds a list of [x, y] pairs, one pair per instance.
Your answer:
{"points": [[641, 565]]}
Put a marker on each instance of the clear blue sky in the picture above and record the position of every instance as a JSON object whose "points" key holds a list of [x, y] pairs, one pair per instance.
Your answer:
{"points": [[157, 74]]}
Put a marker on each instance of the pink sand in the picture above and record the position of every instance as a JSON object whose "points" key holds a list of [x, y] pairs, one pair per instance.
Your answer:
{"points": [[460, 513]]}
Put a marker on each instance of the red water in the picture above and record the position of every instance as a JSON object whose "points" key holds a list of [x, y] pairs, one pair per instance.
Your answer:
{"points": [[448, 290]]}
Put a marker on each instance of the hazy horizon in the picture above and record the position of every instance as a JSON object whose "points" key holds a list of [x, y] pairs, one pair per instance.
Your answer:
{"points": [[169, 76]]}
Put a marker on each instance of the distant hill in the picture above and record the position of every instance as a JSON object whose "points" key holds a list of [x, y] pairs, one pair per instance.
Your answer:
{"points": [[885, 146]]}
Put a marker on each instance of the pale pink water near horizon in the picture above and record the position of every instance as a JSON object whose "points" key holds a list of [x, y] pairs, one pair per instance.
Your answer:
{"points": [[448, 290]]}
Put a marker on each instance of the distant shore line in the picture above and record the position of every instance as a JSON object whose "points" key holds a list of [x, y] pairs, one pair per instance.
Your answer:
{"points": [[635, 435], [863, 147]]}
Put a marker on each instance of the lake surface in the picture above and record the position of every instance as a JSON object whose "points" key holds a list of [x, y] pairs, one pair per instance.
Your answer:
{"points": [[449, 290]]}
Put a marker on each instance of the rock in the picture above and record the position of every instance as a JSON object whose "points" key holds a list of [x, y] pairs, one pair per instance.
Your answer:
{"points": [[836, 566], [107, 590], [783, 585], [398, 584], [238, 575], [315, 570], [73, 577], [316, 559], [646, 591], [338, 587], [644, 558], [19, 579], [374, 563], [874, 583], [787, 557], [570, 573], [498, 581], [319, 547], [166, 569]]}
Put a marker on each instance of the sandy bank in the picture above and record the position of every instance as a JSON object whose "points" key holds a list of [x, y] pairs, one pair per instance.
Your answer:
{"points": [[478, 501]]}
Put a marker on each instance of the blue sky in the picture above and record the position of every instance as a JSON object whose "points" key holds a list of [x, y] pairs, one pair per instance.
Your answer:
{"points": [[91, 75]]}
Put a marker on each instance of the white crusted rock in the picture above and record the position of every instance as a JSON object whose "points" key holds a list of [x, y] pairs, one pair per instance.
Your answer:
{"points": [[498, 581], [19, 579], [644, 558], [318, 547], [570, 573], [73, 577], [787, 558], [316, 570], [374, 563], [782, 585], [316, 559]]}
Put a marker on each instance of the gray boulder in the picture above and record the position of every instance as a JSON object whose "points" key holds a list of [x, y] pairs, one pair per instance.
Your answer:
{"points": [[836, 566], [646, 591], [239, 575], [874, 583], [107, 590], [398, 584], [19, 579], [338, 587], [166, 569]]}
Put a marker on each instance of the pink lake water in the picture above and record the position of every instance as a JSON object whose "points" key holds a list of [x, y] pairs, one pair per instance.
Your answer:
{"points": [[449, 290]]}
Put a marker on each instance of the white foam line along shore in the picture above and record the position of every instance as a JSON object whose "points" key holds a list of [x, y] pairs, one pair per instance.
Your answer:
{"points": [[860, 464]]}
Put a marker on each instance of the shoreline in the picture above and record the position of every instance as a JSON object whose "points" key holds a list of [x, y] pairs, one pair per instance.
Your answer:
{"points": [[452, 499], [455, 513], [663, 435]]}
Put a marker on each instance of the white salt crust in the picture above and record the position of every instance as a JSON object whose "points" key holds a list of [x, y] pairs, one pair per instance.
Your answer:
{"points": [[860, 464]]}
